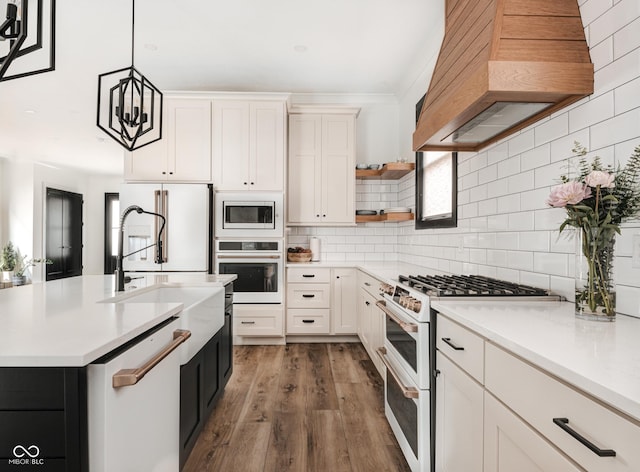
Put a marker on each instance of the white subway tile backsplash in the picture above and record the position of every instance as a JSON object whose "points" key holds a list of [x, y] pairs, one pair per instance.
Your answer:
{"points": [[554, 264], [498, 188], [521, 260], [498, 222], [534, 199], [487, 207], [561, 148], [613, 20], [627, 39], [478, 193], [627, 96], [478, 162], [617, 73], [521, 221], [628, 300], [554, 128], [536, 157], [535, 279], [468, 181], [590, 10], [520, 182], [602, 53], [591, 112], [534, 241], [508, 240], [521, 142], [563, 286], [508, 203], [620, 128], [497, 153], [509, 167]]}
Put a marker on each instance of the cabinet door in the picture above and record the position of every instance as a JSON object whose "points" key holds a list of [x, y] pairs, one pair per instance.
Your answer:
{"points": [[378, 334], [510, 444], [305, 169], [266, 143], [344, 319], [231, 145], [459, 419], [338, 169], [188, 140]]}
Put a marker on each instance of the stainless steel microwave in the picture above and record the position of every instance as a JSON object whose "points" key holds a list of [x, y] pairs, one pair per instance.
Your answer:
{"points": [[242, 215]]}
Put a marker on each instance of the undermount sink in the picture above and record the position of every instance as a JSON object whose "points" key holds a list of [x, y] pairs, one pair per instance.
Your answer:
{"points": [[202, 312]]}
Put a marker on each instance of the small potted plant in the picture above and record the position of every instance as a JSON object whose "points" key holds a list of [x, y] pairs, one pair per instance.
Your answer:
{"points": [[8, 261], [20, 278]]}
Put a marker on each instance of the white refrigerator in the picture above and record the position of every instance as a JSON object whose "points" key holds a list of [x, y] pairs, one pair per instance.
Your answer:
{"points": [[186, 235]]}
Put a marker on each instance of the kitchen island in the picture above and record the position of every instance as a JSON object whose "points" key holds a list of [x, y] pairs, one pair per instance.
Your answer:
{"points": [[55, 336]]}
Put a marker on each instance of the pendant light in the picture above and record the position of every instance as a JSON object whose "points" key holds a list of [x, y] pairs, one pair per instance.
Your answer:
{"points": [[27, 38], [129, 105]]}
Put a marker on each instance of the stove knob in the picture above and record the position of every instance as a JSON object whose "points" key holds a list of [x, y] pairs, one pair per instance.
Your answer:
{"points": [[417, 306]]}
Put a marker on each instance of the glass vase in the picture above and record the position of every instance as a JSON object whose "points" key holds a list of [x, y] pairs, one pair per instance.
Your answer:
{"points": [[595, 286]]}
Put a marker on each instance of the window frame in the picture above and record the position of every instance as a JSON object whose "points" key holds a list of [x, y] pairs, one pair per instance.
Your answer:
{"points": [[448, 222]]}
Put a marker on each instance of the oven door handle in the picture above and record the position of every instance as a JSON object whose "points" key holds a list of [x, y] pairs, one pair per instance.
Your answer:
{"points": [[408, 327], [221, 256], [408, 392]]}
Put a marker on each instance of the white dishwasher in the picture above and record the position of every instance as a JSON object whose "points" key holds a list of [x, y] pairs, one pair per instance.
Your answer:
{"points": [[133, 400]]}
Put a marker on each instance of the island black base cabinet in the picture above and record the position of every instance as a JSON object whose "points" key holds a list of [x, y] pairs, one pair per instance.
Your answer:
{"points": [[43, 420], [202, 381]]}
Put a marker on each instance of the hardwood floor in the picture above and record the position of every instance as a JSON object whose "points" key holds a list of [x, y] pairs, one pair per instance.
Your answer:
{"points": [[299, 408]]}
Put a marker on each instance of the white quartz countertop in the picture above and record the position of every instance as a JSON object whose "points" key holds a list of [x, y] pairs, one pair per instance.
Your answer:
{"points": [[66, 323], [600, 358]]}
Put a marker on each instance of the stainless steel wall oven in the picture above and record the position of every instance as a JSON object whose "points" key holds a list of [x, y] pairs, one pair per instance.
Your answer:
{"points": [[259, 266]]}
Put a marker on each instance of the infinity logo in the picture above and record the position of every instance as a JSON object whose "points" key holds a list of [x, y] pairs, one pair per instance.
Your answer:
{"points": [[21, 451]]}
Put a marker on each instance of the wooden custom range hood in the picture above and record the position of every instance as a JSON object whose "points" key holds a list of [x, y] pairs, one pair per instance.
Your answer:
{"points": [[503, 65]]}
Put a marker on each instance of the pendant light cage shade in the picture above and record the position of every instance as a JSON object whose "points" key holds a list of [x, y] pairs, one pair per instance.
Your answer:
{"points": [[129, 108], [27, 37]]}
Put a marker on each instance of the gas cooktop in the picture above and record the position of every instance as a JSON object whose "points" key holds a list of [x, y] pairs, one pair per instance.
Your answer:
{"points": [[468, 286]]}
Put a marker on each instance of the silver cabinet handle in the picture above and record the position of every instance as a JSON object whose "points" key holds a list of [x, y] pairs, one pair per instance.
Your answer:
{"points": [[408, 392], [126, 377]]}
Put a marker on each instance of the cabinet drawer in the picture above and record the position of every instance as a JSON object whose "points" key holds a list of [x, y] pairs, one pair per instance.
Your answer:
{"points": [[252, 320], [301, 321], [308, 295], [461, 346], [44, 429], [539, 399], [370, 284], [307, 275]]}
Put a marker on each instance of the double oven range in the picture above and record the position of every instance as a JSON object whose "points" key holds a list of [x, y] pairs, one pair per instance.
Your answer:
{"points": [[409, 352], [249, 242]]}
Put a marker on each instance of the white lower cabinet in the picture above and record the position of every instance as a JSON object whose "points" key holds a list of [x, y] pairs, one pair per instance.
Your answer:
{"points": [[459, 419], [344, 319], [258, 320], [498, 413], [371, 319], [582, 429], [512, 445]]}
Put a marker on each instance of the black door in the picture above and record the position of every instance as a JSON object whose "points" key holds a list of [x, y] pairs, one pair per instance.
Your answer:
{"points": [[64, 234]]}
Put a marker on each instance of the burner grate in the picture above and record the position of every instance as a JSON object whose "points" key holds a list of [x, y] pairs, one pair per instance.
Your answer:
{"points": [[468, 286]]}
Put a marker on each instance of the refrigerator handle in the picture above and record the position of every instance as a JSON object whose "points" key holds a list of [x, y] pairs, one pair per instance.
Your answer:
{"points": [[159, 208], [165, 233]]}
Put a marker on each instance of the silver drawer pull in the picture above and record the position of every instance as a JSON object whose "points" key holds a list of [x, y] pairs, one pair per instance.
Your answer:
{"points": [[448, 342], [563, 423], [127, 377]]}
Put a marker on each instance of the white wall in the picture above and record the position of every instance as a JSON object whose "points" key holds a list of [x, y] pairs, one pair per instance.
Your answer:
{"points": [[504, 227], [23, 208]]}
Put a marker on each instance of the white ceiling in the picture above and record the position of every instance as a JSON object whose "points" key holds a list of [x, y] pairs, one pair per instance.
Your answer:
{"points": [[297, 46]]}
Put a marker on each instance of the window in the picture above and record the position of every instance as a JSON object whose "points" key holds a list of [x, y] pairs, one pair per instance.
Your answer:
{"points": [[436, 187], [111, 228]]}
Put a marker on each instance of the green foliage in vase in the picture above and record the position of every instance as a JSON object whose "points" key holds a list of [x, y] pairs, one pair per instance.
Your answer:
{"points": [[597, 201], [9, 257]]}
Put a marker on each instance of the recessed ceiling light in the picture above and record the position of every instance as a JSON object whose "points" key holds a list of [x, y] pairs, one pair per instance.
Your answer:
{"points": [[300, 48]]}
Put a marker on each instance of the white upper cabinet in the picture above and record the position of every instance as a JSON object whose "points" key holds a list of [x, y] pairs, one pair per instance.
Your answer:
{"points": [[248, 145], [184, 152], [322, 168]]}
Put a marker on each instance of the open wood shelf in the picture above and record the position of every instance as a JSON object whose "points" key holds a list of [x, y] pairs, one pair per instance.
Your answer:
{"points": [[389, 171], [385, 217]]}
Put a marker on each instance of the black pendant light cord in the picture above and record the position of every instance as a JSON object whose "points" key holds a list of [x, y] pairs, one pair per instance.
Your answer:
{"points": [[133, 28]]}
